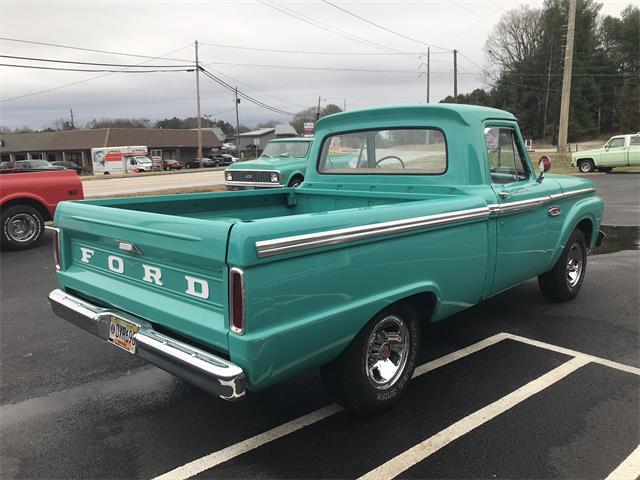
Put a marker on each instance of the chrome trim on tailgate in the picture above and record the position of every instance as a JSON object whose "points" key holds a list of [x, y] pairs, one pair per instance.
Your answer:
{"points": [[266, 248], [209, 372]]}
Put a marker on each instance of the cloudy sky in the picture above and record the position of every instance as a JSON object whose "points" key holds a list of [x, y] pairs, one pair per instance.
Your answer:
{"points": [[353, 62]]}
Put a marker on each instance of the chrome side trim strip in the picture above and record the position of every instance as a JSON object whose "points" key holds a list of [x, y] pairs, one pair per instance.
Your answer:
{"points": [[575, 193], [267, 248]]}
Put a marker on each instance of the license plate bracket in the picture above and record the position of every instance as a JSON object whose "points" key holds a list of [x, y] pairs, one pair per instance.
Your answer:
{"points": [[122, 333]]}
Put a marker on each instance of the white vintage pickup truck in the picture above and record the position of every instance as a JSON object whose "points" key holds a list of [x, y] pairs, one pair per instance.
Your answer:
{"points": [[619, 151]]}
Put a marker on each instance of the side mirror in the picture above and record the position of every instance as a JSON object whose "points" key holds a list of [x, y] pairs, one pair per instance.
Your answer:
{"points": [[544, 165], [606, 146]]}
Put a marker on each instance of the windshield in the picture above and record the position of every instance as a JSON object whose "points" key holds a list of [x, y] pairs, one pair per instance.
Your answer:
{"points": [[286, 149], [34, 163], [142, 159]]}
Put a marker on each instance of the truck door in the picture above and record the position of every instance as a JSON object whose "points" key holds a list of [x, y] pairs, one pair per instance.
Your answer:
{"points": [[634, 150], [615, 154], [520, 212]]}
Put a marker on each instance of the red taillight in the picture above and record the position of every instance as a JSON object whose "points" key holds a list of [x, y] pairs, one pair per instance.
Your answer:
{"points": [[236, 287]]}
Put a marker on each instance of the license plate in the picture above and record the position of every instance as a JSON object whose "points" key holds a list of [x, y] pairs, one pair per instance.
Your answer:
{"points": [[122, 332], [249, 188]]}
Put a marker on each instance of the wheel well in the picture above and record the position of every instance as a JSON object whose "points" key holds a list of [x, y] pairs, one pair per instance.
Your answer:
{"points": [[32, 203], [584, 159], [294, 176], [586, 227], [423, 304]]}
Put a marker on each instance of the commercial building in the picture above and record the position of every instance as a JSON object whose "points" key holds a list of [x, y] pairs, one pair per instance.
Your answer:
{"points": [[76, 145], [256, 140]]}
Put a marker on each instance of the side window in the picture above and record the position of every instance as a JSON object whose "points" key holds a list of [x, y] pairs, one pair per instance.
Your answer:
{"points": [[506, 163], [635, 140], [616, 142]]}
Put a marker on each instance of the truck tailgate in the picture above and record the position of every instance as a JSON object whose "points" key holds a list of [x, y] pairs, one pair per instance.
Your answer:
{"points": [[168, 270]]}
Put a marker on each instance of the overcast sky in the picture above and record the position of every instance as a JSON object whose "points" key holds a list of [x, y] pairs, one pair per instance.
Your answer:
{"points": [[155, 28]]}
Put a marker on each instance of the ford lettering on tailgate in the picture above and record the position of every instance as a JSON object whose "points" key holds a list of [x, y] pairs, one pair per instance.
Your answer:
{"points": [[139, 270]]}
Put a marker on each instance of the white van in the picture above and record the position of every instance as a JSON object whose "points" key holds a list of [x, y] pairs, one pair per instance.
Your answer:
{"points": [[125, 159]]}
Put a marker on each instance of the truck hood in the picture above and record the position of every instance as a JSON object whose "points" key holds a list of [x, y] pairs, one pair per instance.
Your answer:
{"points": [[266, 163]]}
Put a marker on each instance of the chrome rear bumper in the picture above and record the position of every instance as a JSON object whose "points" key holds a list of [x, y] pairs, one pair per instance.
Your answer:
{"points": [[209, 372]]}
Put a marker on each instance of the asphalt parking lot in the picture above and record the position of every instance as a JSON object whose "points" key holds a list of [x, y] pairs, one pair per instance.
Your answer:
{"points": [[512, 388]]}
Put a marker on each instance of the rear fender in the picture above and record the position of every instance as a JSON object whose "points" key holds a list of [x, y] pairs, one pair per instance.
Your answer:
{"points": [[295, 345]]}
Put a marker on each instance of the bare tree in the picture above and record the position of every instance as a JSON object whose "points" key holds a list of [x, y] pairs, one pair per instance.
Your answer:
{"points": [[516, 39]]}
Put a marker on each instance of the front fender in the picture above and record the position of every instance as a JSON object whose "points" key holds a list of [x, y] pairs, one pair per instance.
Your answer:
{"points": [[590, 209]]}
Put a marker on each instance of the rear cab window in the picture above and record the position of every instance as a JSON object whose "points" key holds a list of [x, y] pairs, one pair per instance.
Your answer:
{"points": [[402, 151]]}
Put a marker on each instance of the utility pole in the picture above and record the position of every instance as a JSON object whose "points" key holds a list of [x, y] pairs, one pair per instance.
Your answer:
{"points": [[318, 111], [455, 76], [73, 125], [237, 101], [199, 123], [546, 99], [344, 105], [428, 70], [563, 131]]}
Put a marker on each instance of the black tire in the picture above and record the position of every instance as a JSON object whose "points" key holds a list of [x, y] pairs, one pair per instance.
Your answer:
{"points": [[22, 227], [354, 385], [586, 165], [562, 283], [296, 181]]}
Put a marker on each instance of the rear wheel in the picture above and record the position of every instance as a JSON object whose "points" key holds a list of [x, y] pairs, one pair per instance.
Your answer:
{"points": [[375, 369], [586, 166], [563, 281], [22, 227]]}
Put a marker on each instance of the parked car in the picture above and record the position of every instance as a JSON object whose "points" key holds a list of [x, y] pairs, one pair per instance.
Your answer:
{"points": [[200, 163], [173, 165], [68, 166], [407, 216], [30, 165], [619, 151], [28, 199], [282, 164], [220, 159]]}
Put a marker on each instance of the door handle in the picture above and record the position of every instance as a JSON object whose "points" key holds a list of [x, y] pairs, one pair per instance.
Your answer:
{"points": [[503, 194]]}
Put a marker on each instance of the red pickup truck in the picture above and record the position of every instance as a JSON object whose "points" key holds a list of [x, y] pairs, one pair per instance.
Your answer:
{"points": [[28, 199]]}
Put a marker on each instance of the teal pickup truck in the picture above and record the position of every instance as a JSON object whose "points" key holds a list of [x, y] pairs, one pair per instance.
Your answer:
{"points": [[619, 151], [407, 215], [282, 164]]}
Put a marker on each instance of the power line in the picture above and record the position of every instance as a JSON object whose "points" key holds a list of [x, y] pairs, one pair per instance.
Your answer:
{"points": [[50, 60], [62, 69], [244, 95], [316, 23], [92, 49], [421, 42], [306, 52], [301, 67], [254, 88], [472, 12], [47, 90]]}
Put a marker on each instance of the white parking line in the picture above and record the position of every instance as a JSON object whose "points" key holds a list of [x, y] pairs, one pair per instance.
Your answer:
{"points": [[629, 469], [215, 458], [410, 457], [574, 353]]}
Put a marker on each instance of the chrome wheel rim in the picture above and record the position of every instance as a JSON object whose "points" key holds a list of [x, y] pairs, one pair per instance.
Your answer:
{"points": [[585, 167], [22, 227], [574, 265], [387, 352]]}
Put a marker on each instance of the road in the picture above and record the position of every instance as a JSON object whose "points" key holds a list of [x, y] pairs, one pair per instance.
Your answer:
{"points": [[134, 184], [621, 194], [75, 407], [558, 397]]}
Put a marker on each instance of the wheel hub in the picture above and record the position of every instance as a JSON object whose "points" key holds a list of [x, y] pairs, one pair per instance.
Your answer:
{"points": [[387, 352], [21, 227]]}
